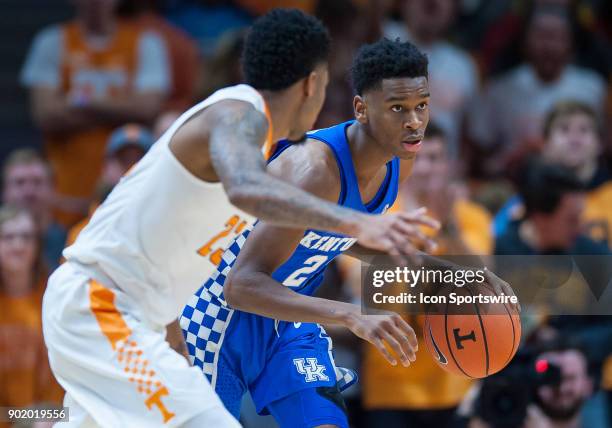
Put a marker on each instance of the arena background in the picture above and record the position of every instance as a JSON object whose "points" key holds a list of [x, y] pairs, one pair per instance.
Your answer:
{"points": [[516, 162]]}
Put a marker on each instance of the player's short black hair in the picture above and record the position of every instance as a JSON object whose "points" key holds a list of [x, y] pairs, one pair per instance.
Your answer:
{"points": [[542, 185], [386, 59], [282, 47]]}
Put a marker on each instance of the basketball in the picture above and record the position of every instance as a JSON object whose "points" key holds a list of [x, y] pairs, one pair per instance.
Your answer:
{"points": [[474, 344]]}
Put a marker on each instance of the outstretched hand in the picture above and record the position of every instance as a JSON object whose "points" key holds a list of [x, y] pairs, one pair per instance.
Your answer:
{"points": [[398, 234]]}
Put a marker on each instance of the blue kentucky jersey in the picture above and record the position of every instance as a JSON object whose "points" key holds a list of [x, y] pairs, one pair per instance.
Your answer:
{"points": [[303, 271], [219, 337]]}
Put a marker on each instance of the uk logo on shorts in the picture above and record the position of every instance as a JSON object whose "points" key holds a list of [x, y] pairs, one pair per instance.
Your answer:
{"points": [[311, 369]]}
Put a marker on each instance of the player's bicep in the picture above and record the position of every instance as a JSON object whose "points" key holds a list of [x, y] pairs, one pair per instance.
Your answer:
{"points": [[235, 144]]}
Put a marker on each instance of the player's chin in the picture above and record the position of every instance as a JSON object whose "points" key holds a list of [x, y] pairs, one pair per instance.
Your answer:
{"points": [[404, 155]]}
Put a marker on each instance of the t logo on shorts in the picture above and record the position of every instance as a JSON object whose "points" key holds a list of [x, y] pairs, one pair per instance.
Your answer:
{"points": [[311, 369]]}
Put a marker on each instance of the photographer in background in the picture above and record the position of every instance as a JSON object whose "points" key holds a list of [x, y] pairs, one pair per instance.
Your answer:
{"points": [[561, 404], [548, 391]]}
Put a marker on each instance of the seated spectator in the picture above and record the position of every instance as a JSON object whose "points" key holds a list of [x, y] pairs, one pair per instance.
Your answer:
{"points": [[27, 182], [498, 49], [85, 77], [434, 184], [511, 113], [554, 200], [453, 76], [424, 394], [25, 375], [126, 146], [573, 139]]}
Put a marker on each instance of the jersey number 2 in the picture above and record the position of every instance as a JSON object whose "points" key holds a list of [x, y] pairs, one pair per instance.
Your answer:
{"points": [[299, 276]]}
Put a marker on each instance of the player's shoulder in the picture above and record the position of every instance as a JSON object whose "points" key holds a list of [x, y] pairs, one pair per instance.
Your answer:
{"points": [[230, 116], [310, 165]]}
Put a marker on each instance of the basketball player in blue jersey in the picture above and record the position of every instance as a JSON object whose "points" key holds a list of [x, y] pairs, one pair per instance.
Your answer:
{"points": [[254, 325]]}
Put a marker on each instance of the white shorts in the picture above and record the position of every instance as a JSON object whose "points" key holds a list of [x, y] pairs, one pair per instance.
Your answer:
{"points": [[118, 371]]}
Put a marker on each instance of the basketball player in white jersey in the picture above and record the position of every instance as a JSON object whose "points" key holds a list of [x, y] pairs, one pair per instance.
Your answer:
{"points": [[109, 313]]}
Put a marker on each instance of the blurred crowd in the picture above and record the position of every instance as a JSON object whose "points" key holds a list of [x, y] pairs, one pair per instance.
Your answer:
{"points": [[517, 161]]}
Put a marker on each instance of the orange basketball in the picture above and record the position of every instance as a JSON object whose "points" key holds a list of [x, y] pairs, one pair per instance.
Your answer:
{"points": [[475, 344]]}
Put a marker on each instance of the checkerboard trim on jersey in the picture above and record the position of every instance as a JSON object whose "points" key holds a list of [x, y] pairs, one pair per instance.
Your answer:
{"points": [[206, 315], [203, 321], [345, 378], [215, 283]]}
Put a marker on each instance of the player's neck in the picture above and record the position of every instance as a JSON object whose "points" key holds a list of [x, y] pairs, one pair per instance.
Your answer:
{"points": [[280, 115], [368, 156]]}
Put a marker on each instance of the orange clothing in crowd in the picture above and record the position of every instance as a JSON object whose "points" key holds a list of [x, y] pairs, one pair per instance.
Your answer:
{"points": [[424, 385], [62, 58], [183, 56], [597, 214], [474, 223], [25, 375], [77, 157]]}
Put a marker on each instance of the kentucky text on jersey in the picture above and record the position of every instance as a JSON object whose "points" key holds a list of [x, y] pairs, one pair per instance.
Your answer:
{"points": [[315, 241]]}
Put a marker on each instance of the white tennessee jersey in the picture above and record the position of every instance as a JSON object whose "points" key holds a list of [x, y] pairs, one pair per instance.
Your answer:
{"points": [[161, 232]]}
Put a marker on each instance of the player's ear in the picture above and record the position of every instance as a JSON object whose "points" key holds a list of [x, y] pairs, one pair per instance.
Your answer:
{"points": [[361, 109], [310, 83]]}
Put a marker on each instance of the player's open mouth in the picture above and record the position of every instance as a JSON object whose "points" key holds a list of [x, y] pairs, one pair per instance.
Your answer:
{"points": [[412, 145]]}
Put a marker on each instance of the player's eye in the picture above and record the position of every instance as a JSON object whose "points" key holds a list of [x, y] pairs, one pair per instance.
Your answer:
{"points": [[397, 108], [422, 106]]}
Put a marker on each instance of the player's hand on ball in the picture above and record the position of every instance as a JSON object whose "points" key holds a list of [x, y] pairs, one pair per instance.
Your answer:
{"points": [[500, 286], [398, 234], [389, 329]]}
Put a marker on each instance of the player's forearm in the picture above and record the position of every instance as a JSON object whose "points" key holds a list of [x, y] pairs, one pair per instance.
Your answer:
{"points": [[258, 293], [272, 200]]}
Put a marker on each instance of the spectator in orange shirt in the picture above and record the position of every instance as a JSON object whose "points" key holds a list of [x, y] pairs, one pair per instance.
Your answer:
{"points": [[573, 140], [27, 182], [24, 369], [85, 77]]}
